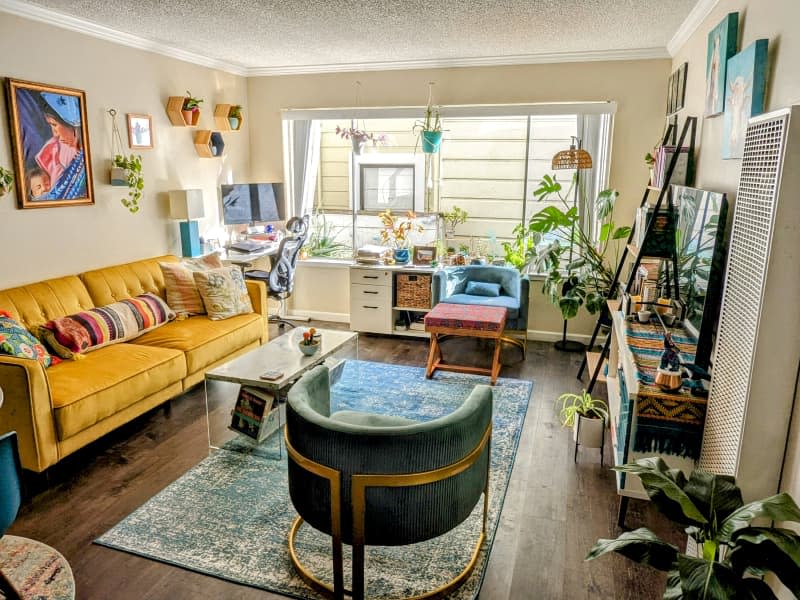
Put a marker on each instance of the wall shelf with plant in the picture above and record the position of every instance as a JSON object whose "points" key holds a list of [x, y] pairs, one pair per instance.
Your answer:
{"points": [[184, 111], [209, 144], [228, 117]]}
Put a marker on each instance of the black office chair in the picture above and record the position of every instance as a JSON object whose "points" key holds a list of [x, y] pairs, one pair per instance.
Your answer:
{"points": [[280, 278]]}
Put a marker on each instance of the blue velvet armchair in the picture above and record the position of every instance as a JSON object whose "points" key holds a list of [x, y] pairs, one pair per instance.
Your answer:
{"points": [[373, 479], [488, 285]]}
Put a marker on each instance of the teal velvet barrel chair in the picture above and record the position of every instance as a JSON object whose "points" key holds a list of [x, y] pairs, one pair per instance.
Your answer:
{"points": [[369, 479], [488, 285]]}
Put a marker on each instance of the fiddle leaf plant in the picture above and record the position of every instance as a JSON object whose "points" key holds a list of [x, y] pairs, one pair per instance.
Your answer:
{"points": [[133, 174], [733, 554]]}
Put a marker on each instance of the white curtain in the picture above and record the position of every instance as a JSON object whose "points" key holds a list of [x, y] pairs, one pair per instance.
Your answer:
{"points": [[304, 159], [594, 131]]}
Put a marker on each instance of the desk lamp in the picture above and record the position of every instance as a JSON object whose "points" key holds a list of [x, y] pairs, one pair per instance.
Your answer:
{"points": [[575, 158], [188, 205]]}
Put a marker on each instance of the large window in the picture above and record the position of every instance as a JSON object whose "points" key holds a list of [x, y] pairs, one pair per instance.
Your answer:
{"points": [[489, 165]]}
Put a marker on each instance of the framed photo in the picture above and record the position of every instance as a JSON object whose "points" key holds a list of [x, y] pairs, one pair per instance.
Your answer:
{"points": [[50, 142], [670, 95], [140, 131], [680, 80], [424, 255]]}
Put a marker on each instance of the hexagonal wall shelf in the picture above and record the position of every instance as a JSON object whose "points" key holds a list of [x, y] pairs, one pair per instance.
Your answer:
{"points": [[209, 144]]}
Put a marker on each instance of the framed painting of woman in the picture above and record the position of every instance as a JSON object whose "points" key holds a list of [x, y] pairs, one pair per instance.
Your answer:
{"points": [[50, 140]]}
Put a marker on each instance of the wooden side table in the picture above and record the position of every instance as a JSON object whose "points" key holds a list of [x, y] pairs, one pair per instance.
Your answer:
{"points": [[465, 320]]}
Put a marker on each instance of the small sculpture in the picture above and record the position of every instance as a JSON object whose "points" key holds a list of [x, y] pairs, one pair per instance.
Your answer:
{"points": [[668, 374]]}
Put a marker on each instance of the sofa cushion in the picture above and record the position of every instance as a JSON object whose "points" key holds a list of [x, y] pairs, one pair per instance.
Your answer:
{"points": [[105, 382], [205, 341], [508, 302], [483, 288], [37, 303], [116, 283], [98, 327], [224, 292]]}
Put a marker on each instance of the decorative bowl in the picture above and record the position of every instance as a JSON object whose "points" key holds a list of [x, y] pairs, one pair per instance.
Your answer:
{"points": [[309, 349], [644, 316]]}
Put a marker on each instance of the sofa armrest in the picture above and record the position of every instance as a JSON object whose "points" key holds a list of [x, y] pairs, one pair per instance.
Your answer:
{"points": [[28, 410], [257, 290], [438, 286], [524, 301]]}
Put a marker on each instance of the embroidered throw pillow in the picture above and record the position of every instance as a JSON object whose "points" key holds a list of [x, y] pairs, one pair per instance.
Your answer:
{"points": [[111, 324], [483, 288], [182, 294], [209, 261], [224, 292], [17, 341]]}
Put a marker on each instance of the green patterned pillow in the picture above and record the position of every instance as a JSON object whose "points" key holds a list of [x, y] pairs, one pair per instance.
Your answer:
{"points": [[224, 292], [17, 341]]}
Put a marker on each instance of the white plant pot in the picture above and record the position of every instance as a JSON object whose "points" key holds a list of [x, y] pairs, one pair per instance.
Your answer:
{"points": [[588, 432]]}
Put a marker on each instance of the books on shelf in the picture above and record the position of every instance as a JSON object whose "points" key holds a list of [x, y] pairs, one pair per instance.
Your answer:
{"points": [[253, 415], [663, 158]]}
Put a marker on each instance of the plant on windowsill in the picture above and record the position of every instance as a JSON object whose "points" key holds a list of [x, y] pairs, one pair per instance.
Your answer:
{"points": [[586, 415], [323, 240], [543, 246], [359, 137], [132, 169], [395, 232], [6, 180], [732, 555], [452, 219]]}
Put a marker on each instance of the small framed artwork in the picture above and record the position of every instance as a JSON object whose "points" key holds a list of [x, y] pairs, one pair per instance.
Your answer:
{"points": [[745, 94], [50, 142], [721, 46], [424, 255], [680, 86], [140, 131], [670, 95]]}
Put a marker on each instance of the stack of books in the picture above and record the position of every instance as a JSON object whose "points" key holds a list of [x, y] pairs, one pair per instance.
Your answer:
{"points": [[373, 255], [663, 158], [253, 415]]}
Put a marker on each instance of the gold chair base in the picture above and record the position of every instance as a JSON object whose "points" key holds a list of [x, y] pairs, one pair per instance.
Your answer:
{"points": [[327, 590]]}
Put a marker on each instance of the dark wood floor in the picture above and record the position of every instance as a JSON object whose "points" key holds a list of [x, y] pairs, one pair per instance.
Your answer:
{"points": [[553, 512]]}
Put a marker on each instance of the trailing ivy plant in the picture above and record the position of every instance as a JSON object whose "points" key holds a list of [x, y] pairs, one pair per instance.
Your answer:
{"points": [[133, 173], [733, 555], [6, 180]]}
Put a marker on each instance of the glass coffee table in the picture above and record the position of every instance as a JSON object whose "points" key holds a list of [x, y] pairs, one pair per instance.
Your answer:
{"points": [[247, 410]]}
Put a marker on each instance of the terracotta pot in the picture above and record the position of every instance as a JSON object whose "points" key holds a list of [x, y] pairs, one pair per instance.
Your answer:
{"points": [[188, 116]]}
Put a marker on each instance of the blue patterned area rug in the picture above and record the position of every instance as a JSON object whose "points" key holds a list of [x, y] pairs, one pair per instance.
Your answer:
{"points": [[230, 515]]}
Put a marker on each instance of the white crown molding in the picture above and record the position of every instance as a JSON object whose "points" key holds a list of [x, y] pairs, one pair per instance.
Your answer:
{"points": [[690, 24], [485, 61], [64, 21], [58, 19]]}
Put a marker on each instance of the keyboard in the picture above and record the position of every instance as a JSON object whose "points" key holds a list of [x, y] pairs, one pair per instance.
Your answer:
{"points": [[247, 246]]}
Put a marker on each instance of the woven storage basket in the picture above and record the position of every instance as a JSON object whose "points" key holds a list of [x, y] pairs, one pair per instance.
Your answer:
{"points": [[413, 290]]}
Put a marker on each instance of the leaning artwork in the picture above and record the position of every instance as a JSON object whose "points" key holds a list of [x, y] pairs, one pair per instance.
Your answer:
{"points": [[50, 140], [721, 46], [746, 89]]}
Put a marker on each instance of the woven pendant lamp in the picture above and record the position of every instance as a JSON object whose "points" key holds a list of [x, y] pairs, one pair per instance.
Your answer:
{"points": [[575, 158]]}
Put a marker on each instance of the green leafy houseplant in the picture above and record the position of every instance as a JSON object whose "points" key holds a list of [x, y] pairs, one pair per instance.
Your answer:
{"points": [[235, 111], [574, 405], [453, 218], [133, 173], [6, 179], [429, 130], [191, 103], [323, 240], [543, 245], [734, 554]]}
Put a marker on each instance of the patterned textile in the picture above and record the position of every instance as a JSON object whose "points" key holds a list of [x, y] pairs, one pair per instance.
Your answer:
{"points": [[181, 290], [17, 341], [111, 324], [35, 569], [466, 316], [224, 292], [209, 261], [668, 422], [230, 515]]}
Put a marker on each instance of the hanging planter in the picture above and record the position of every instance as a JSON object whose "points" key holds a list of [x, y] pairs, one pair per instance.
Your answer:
{"points": [[431, 140], [6, 180], [359, 137], [430, 128], [126, 171]]}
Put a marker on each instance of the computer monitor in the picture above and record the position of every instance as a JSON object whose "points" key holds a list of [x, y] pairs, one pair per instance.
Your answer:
{"points": [[247, 203]]}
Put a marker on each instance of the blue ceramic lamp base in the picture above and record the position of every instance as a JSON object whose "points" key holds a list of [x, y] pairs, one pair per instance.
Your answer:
{"points": [[190, 239]]}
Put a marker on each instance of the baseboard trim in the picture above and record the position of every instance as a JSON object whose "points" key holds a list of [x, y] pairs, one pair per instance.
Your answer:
{"points": [[323, 316], [538, 335]]}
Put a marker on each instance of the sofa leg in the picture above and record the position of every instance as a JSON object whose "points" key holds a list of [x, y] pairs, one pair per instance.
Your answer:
{"points": [[167, 408]]}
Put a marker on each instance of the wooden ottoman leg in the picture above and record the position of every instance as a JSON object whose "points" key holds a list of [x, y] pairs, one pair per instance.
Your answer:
{"points": [[496, 360], [434, 356]]}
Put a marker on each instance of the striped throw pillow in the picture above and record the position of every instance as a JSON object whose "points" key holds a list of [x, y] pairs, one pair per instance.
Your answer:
{"points": [[182, 294], [111, 324]]}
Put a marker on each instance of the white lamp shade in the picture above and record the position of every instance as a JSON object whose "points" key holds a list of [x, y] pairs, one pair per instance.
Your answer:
{"points": [[186, 204]]}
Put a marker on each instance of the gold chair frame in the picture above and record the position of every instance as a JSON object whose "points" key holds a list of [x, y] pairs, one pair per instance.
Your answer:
{"points": [[359, 486]]}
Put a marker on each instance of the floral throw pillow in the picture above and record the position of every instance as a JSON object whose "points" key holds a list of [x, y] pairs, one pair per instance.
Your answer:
{"points": [[17, 341], [224, 292]]}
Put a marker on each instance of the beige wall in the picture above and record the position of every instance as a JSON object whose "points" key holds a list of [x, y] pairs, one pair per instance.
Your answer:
{"points": [[47, 242], [775, 20], [637, 86]]}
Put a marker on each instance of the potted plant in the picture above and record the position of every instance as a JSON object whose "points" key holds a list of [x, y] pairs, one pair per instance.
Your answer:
{"points": [[131, 167], [453, 218], [732, 554], [191, 105], [359, 137], [323, 240], [310, 343], [544, 243], [430, 130], [235, 116], [586, 415], [6, 179], [395, 232]]}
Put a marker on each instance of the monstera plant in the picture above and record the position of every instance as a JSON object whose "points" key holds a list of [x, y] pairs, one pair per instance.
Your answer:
{"points": [[732, 554], [554, 234]]}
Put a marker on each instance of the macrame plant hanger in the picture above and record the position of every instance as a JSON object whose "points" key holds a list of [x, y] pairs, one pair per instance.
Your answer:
{"points": [[124, 169]]}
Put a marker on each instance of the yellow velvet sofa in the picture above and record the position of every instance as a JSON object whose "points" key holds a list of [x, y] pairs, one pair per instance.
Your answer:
{"points": [[56, 411]]}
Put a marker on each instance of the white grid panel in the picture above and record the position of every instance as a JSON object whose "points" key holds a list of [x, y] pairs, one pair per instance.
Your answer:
{"points": [[750, 240]]}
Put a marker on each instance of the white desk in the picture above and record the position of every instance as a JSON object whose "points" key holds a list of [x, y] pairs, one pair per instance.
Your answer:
{"points": [[246, 259]]}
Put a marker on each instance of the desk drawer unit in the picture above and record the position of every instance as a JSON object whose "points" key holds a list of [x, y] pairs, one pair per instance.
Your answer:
{"points": [[380, 277], [371, 300]]}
